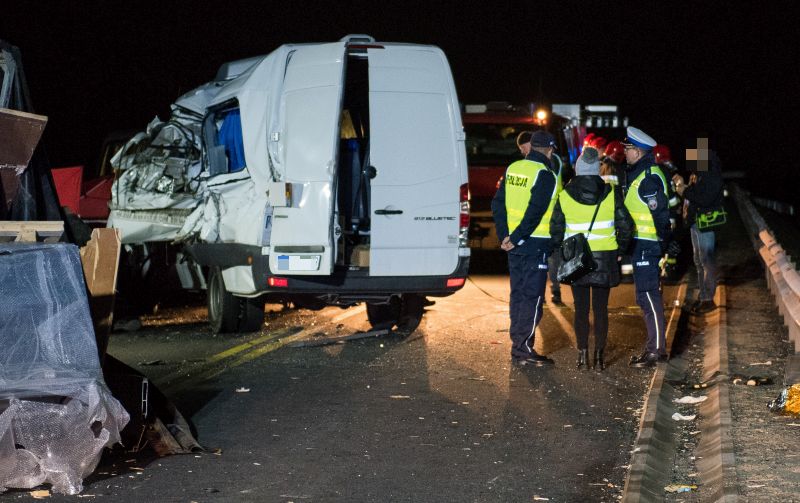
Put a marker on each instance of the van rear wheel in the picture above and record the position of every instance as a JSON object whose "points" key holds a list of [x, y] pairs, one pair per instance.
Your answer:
{"points": [[404, 312]]}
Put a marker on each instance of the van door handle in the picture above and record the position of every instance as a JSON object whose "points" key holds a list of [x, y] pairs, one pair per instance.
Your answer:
{"points": [[388, 212]]}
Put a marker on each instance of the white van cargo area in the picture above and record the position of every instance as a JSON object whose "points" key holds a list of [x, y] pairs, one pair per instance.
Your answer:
{"points": [[321, 174]]}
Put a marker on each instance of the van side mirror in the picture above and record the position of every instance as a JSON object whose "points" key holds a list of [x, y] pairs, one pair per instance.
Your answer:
{"points": [[370, 172]]}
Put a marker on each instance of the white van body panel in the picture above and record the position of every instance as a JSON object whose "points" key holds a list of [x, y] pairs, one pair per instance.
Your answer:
{"points": [[310, 108], [414, 147]]}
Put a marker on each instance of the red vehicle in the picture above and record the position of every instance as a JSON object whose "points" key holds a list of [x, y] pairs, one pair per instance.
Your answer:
{"points": [[491, 133], [85, 193]]}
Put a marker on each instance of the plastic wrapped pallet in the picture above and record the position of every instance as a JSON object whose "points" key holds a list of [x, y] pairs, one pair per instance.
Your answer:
{"points": [[56, 413]]}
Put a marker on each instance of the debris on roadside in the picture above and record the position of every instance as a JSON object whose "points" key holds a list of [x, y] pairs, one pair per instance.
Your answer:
{"points": [[768, 362], [680, 488], [691, 399], [680, 417], [242, 390], [788, 401], [40, 494], [324, 341], [400, 397], [739, 379]]}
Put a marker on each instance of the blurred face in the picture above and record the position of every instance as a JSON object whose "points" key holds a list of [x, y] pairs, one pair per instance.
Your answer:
{"points": [[698, 156], [632, 154], [525, 149]]}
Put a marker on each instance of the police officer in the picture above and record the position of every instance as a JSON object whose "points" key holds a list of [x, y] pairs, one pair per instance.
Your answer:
{"points": [[647, 200], [522, 208]]}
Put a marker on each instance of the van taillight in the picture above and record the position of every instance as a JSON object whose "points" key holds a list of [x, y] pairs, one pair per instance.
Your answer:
{"points": [[463, 224], [455, 282], [278, 282]]}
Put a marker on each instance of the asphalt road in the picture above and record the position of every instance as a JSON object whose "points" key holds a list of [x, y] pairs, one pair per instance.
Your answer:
{"points": [[441, 415]]}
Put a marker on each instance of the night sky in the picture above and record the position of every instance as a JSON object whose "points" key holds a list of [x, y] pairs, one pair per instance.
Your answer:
{"points": [[677, 70]]}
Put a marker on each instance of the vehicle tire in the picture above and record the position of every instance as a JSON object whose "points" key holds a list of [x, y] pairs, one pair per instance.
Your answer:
{"points": [[412, 309], [252, 315], [384, 316], [223, 307]]}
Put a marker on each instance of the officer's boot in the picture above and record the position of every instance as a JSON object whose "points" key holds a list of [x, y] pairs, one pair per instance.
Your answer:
{"points": [[599, 362], [583, 357]]}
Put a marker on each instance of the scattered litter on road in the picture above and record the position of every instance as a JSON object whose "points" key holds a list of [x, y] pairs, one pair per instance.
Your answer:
{"points": [[768, 362], [680, 417], [788, 401], [567, 426], [40, 494], [136, 468], [738, 379], [217, 452], [602, 430], [400, 397], [680, 488], [495, 342], [243, 390], [337, 340], [696, 432], [756, 486], [479, 378], [691, 399], [540, 498]]}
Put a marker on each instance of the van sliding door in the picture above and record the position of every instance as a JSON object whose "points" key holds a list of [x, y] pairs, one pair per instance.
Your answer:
{"points": [[413, 146], [301, 240]]}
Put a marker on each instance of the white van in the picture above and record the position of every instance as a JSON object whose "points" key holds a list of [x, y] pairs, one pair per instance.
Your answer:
{"points": [[320, 174]]}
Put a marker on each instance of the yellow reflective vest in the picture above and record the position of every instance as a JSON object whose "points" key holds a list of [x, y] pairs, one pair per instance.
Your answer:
{"points": [[642, 217], [578, 218], [520, 178]]}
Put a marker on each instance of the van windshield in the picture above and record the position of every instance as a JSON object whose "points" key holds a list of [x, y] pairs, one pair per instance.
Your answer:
{"points": [[493, 144]]}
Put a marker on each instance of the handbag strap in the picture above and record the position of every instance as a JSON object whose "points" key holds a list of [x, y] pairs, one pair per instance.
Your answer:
{"points": [[597, 208]]}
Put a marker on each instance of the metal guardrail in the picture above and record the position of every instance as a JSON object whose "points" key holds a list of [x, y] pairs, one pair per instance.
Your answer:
{"points": [[778, 206], [782, 276]]}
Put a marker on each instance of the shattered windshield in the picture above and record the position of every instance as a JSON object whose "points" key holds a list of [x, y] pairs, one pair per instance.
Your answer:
{"points": [[493, 144]]}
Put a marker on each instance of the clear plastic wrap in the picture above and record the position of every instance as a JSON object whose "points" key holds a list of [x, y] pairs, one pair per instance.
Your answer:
{"points": [[56, 413]]}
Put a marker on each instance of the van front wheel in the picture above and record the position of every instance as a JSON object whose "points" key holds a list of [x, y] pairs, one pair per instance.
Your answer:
{"points": [[228, 313], [223, 307]]}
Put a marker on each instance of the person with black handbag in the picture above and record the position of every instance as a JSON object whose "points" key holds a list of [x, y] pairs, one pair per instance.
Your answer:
{"points": [[594, 212], [704, 213]]}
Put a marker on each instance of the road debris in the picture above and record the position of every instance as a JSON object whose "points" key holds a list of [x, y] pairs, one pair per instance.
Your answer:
{"points": [[680, 488], [243, 390], [680, 417], [40, 494], [152, 363], [400, 397], [338, 340], [768, 362], [691, 399], [788, 401]]}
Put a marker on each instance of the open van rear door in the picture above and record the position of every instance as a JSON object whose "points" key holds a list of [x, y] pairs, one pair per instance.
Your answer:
{"points": [[302, 238], [414, 130]]}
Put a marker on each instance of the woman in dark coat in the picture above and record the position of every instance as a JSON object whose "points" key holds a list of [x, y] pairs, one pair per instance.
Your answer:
{"points": [[588, 189]]}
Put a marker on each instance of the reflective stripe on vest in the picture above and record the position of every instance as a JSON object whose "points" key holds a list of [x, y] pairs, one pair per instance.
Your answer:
{"points": [[640, 212], [578, 217], [520, 178]]}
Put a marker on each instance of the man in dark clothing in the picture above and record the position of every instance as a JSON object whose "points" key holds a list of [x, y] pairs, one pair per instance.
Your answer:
{"points": [[701, 195], [521, 209], [647, 201]]}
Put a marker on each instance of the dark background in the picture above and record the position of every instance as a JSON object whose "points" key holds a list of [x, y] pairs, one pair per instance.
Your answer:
{"points": [[676, 69]]}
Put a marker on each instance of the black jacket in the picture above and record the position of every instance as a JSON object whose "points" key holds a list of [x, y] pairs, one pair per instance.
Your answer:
{"points": [[541, 192], [705, 194], [589, 190]]}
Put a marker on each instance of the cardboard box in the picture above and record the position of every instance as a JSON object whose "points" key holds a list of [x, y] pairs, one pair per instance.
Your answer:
{"points": [[360, 256]]}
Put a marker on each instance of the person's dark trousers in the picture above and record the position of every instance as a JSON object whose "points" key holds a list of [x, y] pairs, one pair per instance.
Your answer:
{"points": [[528, 280], [646, 272], [703, 244], [599, 302], [553, 261]]}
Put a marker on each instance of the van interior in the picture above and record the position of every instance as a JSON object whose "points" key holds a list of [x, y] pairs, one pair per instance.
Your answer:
{"points": [[354, 170]]}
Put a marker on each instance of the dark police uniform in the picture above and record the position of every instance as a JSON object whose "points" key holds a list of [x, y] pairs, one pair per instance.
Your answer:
{"points": [[521, 208], [646, 197]]}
